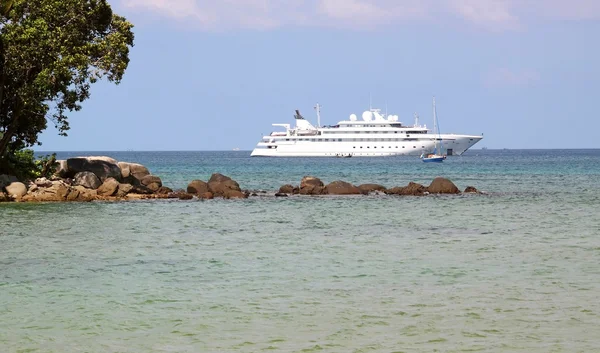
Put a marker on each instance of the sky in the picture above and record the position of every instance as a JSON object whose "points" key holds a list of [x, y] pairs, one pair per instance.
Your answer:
{"points": [[214, 75]]}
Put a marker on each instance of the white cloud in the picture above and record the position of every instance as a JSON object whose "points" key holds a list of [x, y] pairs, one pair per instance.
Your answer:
{"points": [[507, 77], [495, 15]]}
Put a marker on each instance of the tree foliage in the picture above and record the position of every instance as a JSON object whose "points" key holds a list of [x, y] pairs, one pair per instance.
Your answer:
{"points": [[51, 52]]}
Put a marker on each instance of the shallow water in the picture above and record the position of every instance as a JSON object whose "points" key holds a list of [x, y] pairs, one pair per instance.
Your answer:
{"points": [[515, 270]]}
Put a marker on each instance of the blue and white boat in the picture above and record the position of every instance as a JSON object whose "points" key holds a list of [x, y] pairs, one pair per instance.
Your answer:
{"points": [[437, 155]]}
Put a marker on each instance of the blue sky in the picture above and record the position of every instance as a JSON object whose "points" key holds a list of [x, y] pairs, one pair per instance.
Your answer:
{"points": [[214, 75]]}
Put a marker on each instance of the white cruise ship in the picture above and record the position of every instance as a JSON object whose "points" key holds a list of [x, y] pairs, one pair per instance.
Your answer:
{"points": [[375, 135]]}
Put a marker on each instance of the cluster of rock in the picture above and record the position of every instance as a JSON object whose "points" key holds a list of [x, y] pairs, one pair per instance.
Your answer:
{"points": [[87, 179], [310, 185], [103, 178]]}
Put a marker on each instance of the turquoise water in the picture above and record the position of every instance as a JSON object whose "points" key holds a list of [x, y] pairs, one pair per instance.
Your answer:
{"points": [[515, 270]]}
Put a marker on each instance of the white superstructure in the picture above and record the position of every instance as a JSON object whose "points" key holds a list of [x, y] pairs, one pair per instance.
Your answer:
{"points": [[376, 134]]}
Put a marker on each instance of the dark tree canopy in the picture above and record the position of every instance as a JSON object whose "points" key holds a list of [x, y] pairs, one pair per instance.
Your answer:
{"points": [[51, 51]]}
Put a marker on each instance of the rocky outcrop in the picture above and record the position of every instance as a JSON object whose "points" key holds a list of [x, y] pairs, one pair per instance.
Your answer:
{"points": [[87, 179], [197, 187], [441, 185], [4, 197], [339, 187]]}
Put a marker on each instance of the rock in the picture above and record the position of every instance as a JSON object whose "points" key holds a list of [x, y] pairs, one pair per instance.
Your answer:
{"points": [[123, 190], [369, 188], [61, 168], [109, 187], [197, 187], [4, 197], [235, 194], [125, 170], [43, 182], [412, 189], [138, 171], [151, 179], [103, 167], [140, 189], [33, 188], [281, 194], [289, 189], [441, 185], [87, 179], [163, 190], [185, 196], [154, 187], [207, 195], [313, 190], [86, 192], [58, 191], [16, 190], [310, 181], [218, 177], [255, 194], [471, 190], [339, 187], [223, 186]]}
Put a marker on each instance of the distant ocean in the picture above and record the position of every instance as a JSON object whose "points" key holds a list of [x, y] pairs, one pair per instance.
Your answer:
{"points": [[514, 270]]}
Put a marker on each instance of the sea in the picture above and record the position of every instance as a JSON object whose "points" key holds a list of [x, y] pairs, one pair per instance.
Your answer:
{"points": [[515, 269]]}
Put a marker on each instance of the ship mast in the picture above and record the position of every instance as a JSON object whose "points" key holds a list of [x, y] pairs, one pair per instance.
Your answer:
{"points": [[318, 109]]}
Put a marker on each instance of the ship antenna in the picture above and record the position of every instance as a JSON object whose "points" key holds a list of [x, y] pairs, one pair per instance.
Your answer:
{"points": [[370, 102], [416, 119]]}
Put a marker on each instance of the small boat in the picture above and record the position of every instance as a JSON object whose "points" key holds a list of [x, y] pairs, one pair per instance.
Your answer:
{"points": [[436, 155]]}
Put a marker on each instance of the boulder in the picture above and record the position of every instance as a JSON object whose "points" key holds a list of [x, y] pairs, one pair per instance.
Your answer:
{"points": [[4, 197], [369, 188], [125, 170], [151, 179], [313, 190], [412, 189], [124, 189], [87, 179], [471, 190], [289, 189], [197, 187], [339, 187], [310, 181], [163, 190], [61, 168], [103, 167], [154, 187], [43, 182], [218, 177], [281, 194], [16, 189], [441, 185], [207, 195], [109, 187], [140, 189], [223, 186], [235, 194]]}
